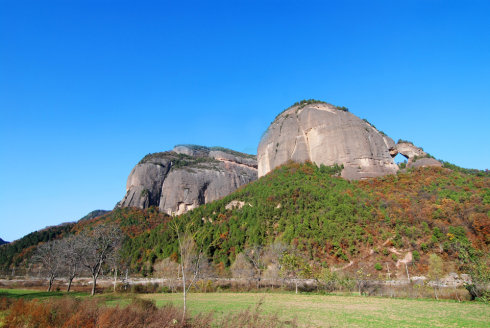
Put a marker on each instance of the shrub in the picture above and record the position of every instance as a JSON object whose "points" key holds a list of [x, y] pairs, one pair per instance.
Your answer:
{"points": [[378, 266], [416, 255], [71, 313]]}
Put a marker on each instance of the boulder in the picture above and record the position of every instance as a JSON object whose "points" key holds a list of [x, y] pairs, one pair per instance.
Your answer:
{"points": [[423, 162]]}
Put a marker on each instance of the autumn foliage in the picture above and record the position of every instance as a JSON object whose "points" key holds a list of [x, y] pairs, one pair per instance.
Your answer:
{"points": [[70, 312]]}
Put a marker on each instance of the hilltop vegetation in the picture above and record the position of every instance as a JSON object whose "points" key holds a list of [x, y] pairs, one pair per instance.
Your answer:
{"points": [[329, 220], [333, 221]]}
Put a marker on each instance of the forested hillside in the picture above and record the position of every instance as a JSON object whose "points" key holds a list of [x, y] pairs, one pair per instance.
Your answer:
{"points": [[330, 220], [16, 253], [371, 224]]}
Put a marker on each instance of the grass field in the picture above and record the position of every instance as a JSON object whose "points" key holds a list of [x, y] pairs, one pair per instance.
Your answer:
{"points": [[339, 311], [317, 310]]}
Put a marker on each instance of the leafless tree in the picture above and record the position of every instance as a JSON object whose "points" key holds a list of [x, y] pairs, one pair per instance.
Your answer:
{"points": [[242, 268], [191, 256], [72, 253], [254, 255], [99, 245], [272, 261], [168, 270], [49, 256]]}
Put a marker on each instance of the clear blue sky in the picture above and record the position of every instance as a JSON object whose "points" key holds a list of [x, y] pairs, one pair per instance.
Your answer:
{"points": [[87, 88]]}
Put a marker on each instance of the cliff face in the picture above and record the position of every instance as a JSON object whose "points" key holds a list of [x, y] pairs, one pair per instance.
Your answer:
{"points": [[323, 134], [186, 177]]}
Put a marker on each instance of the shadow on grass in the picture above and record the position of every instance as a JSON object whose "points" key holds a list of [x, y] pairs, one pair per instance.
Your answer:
{"points": [[29, 295]]}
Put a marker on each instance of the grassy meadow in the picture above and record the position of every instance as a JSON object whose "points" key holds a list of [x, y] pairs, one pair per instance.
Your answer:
{"points": [[341, 311], [311, 310]]}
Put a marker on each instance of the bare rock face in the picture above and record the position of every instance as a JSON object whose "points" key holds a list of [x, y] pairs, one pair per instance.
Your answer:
{"points": [[423, 162], [180, 180], [408, 150], [416, 156], [325, 134]]}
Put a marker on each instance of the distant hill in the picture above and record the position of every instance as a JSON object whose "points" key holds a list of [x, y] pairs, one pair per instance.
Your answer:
{"points": [[3, 241], [17, 252], [94, 214]]}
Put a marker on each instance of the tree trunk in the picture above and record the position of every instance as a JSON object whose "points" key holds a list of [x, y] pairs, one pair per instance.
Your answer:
{"points": [[50, 283], [94, 280], [296, 282], [185, 293], [115, 279], [69, 284]]}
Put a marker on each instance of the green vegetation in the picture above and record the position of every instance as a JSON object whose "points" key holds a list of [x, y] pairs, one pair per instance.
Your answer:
{"points": [[342, 108], [381, 132], [328, 220], [404, 141], [309, 310], [305, 102], [186, 161], [216, 148], [13, 254], [178, 160], [333, 221], [480, 173]]}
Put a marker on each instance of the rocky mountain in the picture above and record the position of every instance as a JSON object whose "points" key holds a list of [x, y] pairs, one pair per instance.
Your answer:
{"points": [[182, 179], [322, 133]]}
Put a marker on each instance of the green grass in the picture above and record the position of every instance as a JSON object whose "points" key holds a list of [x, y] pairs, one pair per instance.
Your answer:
{"points": [[30, 294], [314, 310], [340, 311]]}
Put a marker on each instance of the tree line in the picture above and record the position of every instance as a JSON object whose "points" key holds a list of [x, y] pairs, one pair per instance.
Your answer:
{"points": [[87, 251]]}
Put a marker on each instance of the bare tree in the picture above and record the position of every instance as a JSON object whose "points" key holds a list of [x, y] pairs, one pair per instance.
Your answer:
{"points": [[49, 256], [362, 280], [272, 261], [242, 268], [100, 244], [168, 270], [254, 255], [293, 266], [436, 271], [72, 253], [191, 256]]}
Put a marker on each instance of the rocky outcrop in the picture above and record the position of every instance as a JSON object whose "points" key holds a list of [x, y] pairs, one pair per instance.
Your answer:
{"points": [[326, 134], [416, 156], [409, 150], [423, 162], [186, 177]]}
